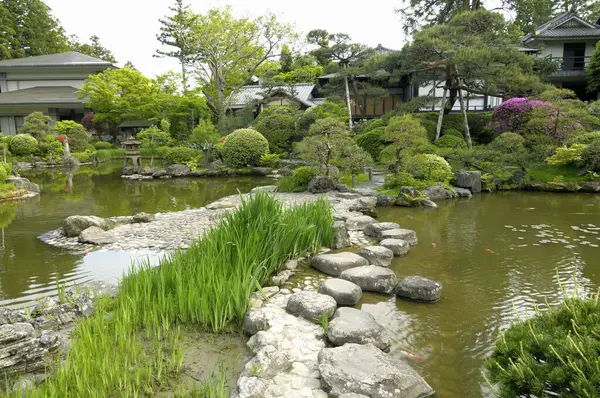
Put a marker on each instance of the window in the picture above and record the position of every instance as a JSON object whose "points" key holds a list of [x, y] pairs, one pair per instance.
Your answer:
{"points": [[19, 120]]}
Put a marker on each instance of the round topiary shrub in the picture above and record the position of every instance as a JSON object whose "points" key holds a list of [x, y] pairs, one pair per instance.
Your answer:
{"points": [[451, 141], [180, 155], [103, 145], [453, 132], [591, 156], [429, 167], [23, 145], [372, 142], [509, 142], [244, 147]]}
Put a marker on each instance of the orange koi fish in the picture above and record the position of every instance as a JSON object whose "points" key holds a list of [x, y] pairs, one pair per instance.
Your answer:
{"points": [[490, 251], [413, 356]]}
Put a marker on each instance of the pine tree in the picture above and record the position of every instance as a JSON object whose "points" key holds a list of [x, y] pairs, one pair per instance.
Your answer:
{"points": [[94, 48]]}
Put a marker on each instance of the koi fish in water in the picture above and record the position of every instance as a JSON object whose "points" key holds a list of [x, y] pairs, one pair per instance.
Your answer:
{"points": [[490, 251], [433, 244], [413, 356]]}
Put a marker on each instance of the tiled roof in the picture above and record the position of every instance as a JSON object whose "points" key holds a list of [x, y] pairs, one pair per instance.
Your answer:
{"points": [[41, 95], [248, 94], [61, 59], [564, 26]]}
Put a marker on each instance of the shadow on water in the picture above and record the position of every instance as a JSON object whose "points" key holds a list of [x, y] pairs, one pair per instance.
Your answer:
{"points": [[30, 269]]}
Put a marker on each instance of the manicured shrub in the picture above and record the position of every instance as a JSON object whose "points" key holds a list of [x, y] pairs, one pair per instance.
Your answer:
{"points": [[180, 155], [103, 145], [36, 125], [327, 126], [584, 138], [508, 143], [85, 156], [298, 181], [372, 142], [558, 128], [244, 147], [554, 354], [451, 141], [566, 155], [323, 111], [277, 125], [513, 114], [50, 145], [591, 157], [78, 137], [429, 167], [375, 124], [23, 145], [453, 132]]}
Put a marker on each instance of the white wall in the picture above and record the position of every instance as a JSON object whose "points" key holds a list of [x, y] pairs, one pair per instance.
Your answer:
{"points": [[7, 125], [20, 79], [475, 103], [556, 47]]}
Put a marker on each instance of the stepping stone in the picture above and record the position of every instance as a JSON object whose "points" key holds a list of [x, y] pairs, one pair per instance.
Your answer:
{"points": [[350, 325], [335, 264], [311, 305], [371, 278], [418, 288], [359, 223], [377, 228], [377, 255], [408, 235], [343, 292], [366, 370], [398, 246]]}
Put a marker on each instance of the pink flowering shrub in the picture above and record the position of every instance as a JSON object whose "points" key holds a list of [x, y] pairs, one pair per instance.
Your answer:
{"points": [[513, 114]]}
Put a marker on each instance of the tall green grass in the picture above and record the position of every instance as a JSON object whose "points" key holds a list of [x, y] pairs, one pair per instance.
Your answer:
{"points": [[131, 345]]}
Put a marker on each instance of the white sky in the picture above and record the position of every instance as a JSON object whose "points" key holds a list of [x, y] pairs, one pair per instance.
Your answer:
{"points": [[129, 27]]}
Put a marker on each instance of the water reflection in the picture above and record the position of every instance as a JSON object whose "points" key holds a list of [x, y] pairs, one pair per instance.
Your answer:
{"points": [[29, 269]]}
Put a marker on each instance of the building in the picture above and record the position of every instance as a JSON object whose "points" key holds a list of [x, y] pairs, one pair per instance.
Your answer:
{"points": [[45, 83], [570, 41], [302, 95]]}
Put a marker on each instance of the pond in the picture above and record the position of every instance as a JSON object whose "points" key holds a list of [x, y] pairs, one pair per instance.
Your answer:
{"points": [[497, 256], [30, 269]]}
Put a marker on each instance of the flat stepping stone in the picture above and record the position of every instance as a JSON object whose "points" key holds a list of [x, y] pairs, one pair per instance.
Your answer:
{"points": [[311, 305], [408, 235], [350, 325], [418, 288], [335, 264], [343, 292], [371, 278], [359, 223], [377, 255], [398, 246], [366, 370], [377, 228]]}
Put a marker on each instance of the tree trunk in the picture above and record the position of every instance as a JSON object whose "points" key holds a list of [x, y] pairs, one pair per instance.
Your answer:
{"points": [[398, 159], [438, 128], [347, 89], [363, 110], [451, 101], [183, 75], [449, 84], [463, 110]]}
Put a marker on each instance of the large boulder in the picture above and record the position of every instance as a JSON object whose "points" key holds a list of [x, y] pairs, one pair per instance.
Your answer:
{"points": [[366, 370], [371, 278], [463, 192], [407, 235], [322, 184], [365, 191], [359, 222], [341, 239], [418, 288], [130, 170], [385, 201], [365, 204], [24, 349], [143, 218], [97, 236], [178, 170], [375, 229], [23, 183], [343, 292], [350, 325], [262, 171], [470, 180], [160, 173], [74, 225], [377, 255], [407, 196], [311, 305], [436, 192], [335, 264], [398, 246]]}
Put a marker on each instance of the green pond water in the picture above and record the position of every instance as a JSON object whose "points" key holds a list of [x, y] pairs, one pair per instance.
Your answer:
{"points": [[30, 269]]}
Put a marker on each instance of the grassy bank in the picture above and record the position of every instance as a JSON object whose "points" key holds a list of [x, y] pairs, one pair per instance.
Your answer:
{"points": [[131, 346]]}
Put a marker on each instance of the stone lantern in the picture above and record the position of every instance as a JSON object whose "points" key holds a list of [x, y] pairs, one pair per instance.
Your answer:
{"points": [[132, 151]]}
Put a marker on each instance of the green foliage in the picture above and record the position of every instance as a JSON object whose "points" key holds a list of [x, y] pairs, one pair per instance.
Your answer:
{"points": [[429, 167], [204, 132], [591, 157], [328, 126], [37, 125], [593, 71], [554, 353], [584, 138], [372, 141], [277, 125], [23, 144], [567, 155], [404, 179], [180, 155], [78, 137], [50, 145], [453, 132], [85, 156], [375, 124], [298, 181], [509, 142], [244, 147], [5, 170], [406, 134], [326, 110], [107, 154], [269, 160], [451, 141], [153, 137], [360, 178], [103, 145], [94, 48]]}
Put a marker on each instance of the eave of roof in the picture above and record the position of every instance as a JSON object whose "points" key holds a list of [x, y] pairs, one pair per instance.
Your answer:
{"points": [[41, 95], [69, 59]]}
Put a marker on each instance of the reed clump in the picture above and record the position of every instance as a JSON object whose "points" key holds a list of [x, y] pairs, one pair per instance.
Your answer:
{"points": [[131, 345]]}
